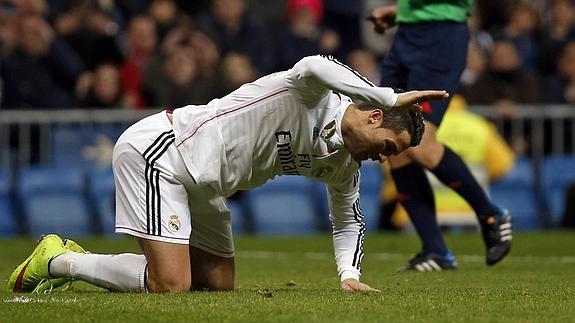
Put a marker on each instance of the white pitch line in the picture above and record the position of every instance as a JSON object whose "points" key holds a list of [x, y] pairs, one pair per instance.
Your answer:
{"points": [[284, 255], [26, 299]]}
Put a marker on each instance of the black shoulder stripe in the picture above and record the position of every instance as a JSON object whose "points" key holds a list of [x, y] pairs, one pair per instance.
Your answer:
{"points": [[361, 77]]}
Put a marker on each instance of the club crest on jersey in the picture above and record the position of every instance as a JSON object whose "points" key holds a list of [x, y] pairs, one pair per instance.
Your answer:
{"points": [[322, 171], [328, 131], [174, 223]]}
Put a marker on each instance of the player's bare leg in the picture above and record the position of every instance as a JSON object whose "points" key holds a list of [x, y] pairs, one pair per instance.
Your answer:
{"points": [[211, 272], [168, 266], [428, 154]]}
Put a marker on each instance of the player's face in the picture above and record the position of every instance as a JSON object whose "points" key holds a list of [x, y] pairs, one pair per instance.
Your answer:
{"points": [[379, 143]]}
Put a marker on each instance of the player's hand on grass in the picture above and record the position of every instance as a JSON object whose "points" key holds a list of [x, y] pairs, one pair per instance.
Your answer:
{"points": [[383, 18], [407, 99], [354, 285]]}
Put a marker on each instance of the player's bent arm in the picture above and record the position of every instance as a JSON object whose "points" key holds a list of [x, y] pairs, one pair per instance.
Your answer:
{"points": [[313, 76]]}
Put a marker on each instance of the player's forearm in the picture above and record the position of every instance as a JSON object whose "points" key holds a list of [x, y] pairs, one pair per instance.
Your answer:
{"points": [[334, 75], [348, 227], [348, 248], [348, 233]]}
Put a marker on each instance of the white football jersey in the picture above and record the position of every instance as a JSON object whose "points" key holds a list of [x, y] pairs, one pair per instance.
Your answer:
{"points": [[287, 123]]}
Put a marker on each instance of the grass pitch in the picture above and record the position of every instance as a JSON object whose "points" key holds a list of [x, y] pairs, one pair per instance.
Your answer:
{"points": [[294, 280]]}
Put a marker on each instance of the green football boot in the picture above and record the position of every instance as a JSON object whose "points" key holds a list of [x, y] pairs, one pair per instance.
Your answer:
{"points": [[73, 246], [46, 285], [33, 275]]}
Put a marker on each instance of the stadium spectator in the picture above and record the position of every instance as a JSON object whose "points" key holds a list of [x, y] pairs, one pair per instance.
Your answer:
{"points": [[100, 88], [207, 54], [560, 86], [8, 34], [493, 14], [375, 42], [91, 32], [481, 37], [175, 80], [206, 59], [194, 8], [521, 29], [231, 25], [505, 82], [140, 48], [198, 154], [272, 13], [181, 74], [344, 19], [236, 70], [559, 30], [133, 8], [42, 69], [506, 85], [365, 62], [475, 67], [302, 36], [166, 15], [30, 7]]}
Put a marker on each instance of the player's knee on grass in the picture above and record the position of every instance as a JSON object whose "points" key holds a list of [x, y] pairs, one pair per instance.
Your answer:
{"points": [[210, 272], [223, 284], [167, 283], [168, 266]]}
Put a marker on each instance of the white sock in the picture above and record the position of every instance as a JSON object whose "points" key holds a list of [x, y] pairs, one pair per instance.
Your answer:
{"points": [[120, 273]]}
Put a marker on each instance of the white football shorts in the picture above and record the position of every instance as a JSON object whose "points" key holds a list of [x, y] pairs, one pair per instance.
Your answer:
{"points": [[157, 198]]}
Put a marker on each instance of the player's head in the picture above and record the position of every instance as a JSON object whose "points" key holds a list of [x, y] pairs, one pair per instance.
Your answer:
{"points": [[380, 134], [408, 119]]}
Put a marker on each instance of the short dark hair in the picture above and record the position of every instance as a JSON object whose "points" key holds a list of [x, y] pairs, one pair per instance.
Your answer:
{"points": [[399, 119]]}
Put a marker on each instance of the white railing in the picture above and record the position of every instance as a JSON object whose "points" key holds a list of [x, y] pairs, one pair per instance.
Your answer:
{"points": [[27, 133], [548, 129]]}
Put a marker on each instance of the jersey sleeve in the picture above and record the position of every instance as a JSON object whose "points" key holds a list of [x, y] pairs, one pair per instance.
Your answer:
{"points": [[348, 227], [313, 77]]}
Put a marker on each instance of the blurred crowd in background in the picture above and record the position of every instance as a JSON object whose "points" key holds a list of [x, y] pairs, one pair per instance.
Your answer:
{"points": [[132, 54]]}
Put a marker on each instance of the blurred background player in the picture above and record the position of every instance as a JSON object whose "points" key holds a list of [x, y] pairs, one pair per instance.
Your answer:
{"points": [[430, 51], [477, 141]]}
